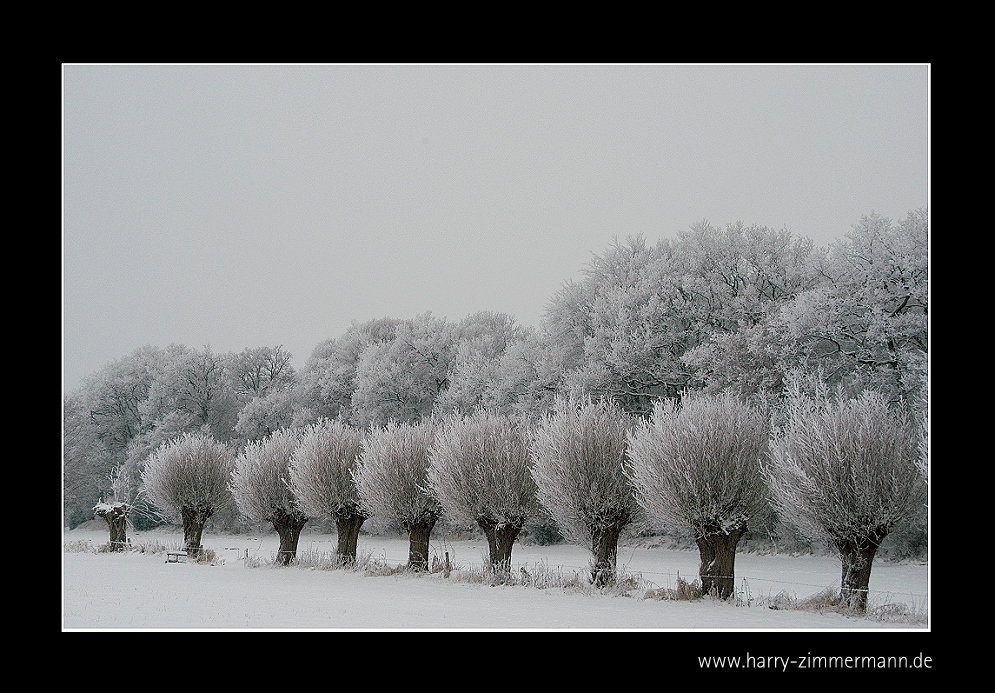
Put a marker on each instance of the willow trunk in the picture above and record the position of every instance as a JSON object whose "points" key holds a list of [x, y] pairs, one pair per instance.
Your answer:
{"points": [[418, 542], [194, 520], [288, 525], [717, 569], [604, 546], [857, 556], [500, 540], [347, 525]]}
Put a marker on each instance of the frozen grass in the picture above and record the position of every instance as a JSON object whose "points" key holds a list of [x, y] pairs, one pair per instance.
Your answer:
{"points": [[207, 556], [547, 587], [542, 576]]}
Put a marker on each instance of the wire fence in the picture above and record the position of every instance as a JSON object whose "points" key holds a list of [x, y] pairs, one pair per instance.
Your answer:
{"points": [[747, 583]]}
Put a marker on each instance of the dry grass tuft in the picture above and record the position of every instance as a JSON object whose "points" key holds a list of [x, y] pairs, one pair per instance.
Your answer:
{"points": [[683, 591]]}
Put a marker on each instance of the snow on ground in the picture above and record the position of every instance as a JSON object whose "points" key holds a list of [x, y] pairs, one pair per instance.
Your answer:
{"points": [[244, 590]]}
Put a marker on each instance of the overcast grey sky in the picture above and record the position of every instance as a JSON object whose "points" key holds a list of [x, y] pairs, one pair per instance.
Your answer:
{"points": [[263, 205]]}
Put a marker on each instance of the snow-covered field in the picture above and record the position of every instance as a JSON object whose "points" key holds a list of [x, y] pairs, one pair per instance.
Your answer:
{"points": [[244, 590]]}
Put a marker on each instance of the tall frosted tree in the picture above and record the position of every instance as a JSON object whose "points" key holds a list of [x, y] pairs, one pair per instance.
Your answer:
{"points": [[260, 486], [87, 464], [100, 421], [626, 327], [480, 341], [696, 469], [262, 416], [401, 379], [258, 372], [864, 325], [392, 478], [188, 477], [526, 378], [321, 478], [480, 472], [195, 386], [847, 470], [578, 454], [328, 380]]}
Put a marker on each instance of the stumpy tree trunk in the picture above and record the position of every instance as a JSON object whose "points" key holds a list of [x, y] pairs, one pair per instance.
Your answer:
{"points": [[418, 538], [118, 526], [718, 562], [500, 540], [605, 548], [194, 520], [347, 524], [116, 517], [288, 526], [857, 555]]}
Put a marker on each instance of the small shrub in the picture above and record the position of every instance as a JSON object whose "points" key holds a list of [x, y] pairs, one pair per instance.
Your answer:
{"points": [[890, 612], [822, 601], [378, 569], [683, 591], [782, 601], [624, 585], [253, 561], [79, 546], [154, 547], [208, 557]]}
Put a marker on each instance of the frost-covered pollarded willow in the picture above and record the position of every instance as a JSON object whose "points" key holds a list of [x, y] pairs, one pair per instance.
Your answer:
{"points": [[189, 477], [480, 472], [392, 478], [578, 453], [848, 471], [696, 469], [259, 484], [321, 479]]}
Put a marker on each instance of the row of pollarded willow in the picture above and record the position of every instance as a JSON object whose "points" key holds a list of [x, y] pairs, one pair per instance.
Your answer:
{"points": [[846, 470], [841, 469]]}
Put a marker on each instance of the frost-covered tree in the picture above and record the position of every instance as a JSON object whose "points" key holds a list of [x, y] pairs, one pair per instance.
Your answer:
{"points": [[322, 481], [696, 469], [480, 340], [328, 380], [260, 486], [86, 461], [872, 326], [262, 416], [864, 325], [846, 470], [188, 477], [578, 455], [392, 478], [480, 472], [526, 378], [624, 329], [100, 420], [195, 386], [401, 379], [258, 372]]}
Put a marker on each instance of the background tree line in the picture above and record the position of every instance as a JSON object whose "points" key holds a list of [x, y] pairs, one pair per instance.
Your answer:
{"points": [[713, 310]]}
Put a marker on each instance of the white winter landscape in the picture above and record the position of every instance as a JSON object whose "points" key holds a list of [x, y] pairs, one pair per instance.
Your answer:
{"points": [[243, 589]]}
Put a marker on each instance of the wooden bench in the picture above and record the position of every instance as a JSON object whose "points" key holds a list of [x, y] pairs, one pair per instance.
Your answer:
{"points": [[175, 556]]}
